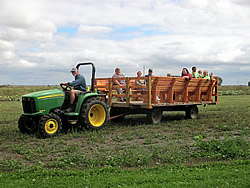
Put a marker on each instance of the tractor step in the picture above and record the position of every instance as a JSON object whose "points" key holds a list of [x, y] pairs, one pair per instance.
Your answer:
{"points": [[72, 122], [71, 114]]}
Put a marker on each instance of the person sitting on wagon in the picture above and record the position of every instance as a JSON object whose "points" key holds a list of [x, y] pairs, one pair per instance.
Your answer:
{"points": [[199, 73], [119, 82], [185, 74], [206, 76], [79, 85], [194, 74], [150, 73], [140, 82]]}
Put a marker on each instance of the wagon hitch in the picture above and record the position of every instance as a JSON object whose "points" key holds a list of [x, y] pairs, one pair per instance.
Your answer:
{"points": [[118, 116]]}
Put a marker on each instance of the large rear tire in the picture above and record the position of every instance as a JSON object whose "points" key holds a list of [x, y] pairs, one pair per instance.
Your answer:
{"points": [[50, 125], [94, 114], [27, 125]]}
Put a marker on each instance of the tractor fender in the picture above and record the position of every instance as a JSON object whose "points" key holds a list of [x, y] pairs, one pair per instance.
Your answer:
{"points": [[82, 98]]}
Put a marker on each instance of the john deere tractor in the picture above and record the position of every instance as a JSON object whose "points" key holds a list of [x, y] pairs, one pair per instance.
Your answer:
{"points": [[44, 111]]}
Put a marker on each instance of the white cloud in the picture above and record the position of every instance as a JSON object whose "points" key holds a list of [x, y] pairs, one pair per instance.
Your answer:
{"points": [[26, 64], [5, 45], [6, 55]]}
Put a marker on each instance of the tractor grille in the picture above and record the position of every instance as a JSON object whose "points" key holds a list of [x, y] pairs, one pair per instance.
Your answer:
{"points": [[28, 105]]}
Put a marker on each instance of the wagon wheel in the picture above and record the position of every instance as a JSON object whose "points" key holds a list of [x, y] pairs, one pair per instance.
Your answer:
{"points": [[154, 116], [192, 112]]}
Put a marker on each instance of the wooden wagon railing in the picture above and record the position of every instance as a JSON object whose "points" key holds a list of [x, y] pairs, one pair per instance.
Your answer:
{"points": [[160, 90]]}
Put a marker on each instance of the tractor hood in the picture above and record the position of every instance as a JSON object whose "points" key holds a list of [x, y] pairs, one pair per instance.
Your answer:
{"points": [[45, 94], [42, 102]]}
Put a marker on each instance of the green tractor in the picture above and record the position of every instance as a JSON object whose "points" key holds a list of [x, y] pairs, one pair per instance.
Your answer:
{"points": [[44, 111]]}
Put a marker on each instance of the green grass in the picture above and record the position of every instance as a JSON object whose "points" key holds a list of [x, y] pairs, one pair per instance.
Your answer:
{"points": [[234, 90], [210, 151], [14, 93], [226, 174]]}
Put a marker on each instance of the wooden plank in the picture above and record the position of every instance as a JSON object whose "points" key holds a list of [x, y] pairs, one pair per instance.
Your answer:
{"points": [[193, 84], [170, 96], [136, 95], [138, 87], [192, 88], [119, 95], [102, 79], [117, 87], [110, 92], [205, 83], [185, 92], [209, 91], [162, 84], [127, 91], [149, 104], [198, 92], [217, 90], [155, 91]]}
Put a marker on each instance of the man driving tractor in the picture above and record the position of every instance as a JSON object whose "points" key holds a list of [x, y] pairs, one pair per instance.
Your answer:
{"points": [[79, 85]]}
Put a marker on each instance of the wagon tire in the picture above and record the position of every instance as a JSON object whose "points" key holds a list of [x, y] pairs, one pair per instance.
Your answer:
{"points": [[27, 125], [50, 125], [154, 116], [192, 112]]}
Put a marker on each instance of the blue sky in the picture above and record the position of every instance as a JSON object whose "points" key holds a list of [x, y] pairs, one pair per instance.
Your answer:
{"points": [[40, 41], [118, 33]]}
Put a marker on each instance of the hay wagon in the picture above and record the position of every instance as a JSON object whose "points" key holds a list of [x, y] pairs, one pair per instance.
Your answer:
{"points": [[157, 95]]}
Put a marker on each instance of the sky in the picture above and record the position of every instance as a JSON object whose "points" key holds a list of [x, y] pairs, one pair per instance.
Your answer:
{"points": [[41, 40]]}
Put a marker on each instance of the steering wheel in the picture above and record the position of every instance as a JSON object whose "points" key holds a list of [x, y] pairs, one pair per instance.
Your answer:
{"points": [[65, 87]]}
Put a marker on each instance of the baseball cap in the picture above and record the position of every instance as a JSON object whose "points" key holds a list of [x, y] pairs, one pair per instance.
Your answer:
{"points": [[73, 69]]}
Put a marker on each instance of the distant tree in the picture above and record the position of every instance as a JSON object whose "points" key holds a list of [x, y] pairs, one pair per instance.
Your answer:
{"points": [[249, 83], [220, 80]]}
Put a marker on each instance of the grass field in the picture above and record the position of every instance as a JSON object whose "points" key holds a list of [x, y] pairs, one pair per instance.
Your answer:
{"points": [[212, 151]]}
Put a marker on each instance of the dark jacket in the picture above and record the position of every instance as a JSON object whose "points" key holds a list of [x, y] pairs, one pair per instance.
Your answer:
{"points": [[79, 83]]}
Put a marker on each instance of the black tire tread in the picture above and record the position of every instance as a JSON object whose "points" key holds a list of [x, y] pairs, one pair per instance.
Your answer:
{"points": [[150, 116], [191, 109], [43, 121], [83, 114], [23, 127]]}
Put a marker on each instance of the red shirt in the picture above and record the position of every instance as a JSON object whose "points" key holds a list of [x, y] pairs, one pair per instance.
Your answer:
{"points": [[189, 75]]}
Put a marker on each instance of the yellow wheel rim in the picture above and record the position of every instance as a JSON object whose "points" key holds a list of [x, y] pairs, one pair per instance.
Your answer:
{"points": [[51, 126], [97, 115]]}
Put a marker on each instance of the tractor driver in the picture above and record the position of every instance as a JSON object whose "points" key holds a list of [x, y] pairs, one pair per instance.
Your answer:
{"points": [[79, 85]]}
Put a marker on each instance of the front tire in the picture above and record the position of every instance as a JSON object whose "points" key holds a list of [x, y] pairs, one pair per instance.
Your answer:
{"points": [[27, 125], [94, 114], [50, 125]]}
